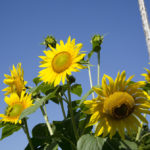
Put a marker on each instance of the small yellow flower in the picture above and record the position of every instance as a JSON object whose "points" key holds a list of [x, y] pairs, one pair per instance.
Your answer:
{"points": [[60, 62], [146, 75], [118, 106], [16, 105], [16, 81]]}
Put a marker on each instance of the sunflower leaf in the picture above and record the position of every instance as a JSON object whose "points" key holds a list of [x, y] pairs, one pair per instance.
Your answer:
{"points": [[126, 144], [9, 129], [76, 89], [37, 104], [88, 142], [37, 80], [87, 94]]}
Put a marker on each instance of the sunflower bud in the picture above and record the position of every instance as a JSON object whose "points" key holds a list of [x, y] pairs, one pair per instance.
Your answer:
{"points": [[49, 40], [96, 42]]}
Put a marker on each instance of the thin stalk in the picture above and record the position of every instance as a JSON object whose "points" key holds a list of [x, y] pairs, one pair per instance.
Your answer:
{"points": [[139, 130], [144, 136], [62, 107], [71, 112], [26, 131], [46, 119], [98, 69], [90, 78]]}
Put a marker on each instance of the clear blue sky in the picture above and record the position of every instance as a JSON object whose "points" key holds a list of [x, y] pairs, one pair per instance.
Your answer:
{"points": [[25, 23]]}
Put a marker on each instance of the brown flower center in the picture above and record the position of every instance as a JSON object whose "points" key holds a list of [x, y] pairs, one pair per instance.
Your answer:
{"points": [[119, 105]]}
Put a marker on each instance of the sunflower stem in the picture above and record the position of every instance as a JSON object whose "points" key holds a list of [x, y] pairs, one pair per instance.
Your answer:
{"points": [[26, 131], [44, 112], [139, 130], [62, 107], [71, 112], [98, 68], [90, 78]]}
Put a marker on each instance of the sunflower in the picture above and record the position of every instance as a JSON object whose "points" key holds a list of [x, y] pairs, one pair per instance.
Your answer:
{"points": [[118, 106], [147, 75], [16, 105], [16, 81], [60, 62]]}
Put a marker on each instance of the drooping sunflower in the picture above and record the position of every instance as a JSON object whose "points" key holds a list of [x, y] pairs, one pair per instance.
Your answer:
{"points": [[118, 106], [15, 81], [147, 75], [61, 61], [16, 105]]}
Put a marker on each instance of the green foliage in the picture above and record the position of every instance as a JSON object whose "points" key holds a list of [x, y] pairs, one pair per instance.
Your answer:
{"points": [[39, 102], [76, 89], [89, 142], [87, 94], [41, 139], [36, 81], [144, 143], [8, 129]]}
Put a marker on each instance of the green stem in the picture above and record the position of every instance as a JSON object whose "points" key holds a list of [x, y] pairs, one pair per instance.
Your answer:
{"points": [[90, 78], [98, 69], [46, 120], [144, 136], [139, 130], [71, 112], [62, 107], [26, 131]]}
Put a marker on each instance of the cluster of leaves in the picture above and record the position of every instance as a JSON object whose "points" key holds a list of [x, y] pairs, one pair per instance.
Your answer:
{"points": [[63, 136]]}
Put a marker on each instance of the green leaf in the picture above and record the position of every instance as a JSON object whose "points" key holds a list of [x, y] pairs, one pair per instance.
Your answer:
{"points": [[9, 129], [87, 94], [37, 104], [126, 144], [64, 134], [76, 89], [37, 80], [89, 142], [41, 139], [40, 131]]}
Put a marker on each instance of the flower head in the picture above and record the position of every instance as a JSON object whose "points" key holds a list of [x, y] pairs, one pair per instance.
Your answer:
{"points": [[146, 75], [16, 81], [16, 105], [60, 62], [118, 106]]}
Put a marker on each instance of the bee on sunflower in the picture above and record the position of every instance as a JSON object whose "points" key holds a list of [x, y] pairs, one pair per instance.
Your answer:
{"points": [[118, 106], [61, 61]]}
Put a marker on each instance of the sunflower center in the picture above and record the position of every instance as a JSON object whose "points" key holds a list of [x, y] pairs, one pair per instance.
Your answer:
{"points": [[119, 105], [61, 62], [15, 110]]}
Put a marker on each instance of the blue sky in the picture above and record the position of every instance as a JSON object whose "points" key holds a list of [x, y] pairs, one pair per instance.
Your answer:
{"points": [[24, 24]]}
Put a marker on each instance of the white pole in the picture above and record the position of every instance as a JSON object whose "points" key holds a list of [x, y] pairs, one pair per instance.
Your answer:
{"points": [[145, 23]]}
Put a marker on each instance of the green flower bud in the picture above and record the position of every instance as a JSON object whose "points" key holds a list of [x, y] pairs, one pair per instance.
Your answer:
{"points": [[96, 42], [49, 40]]}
